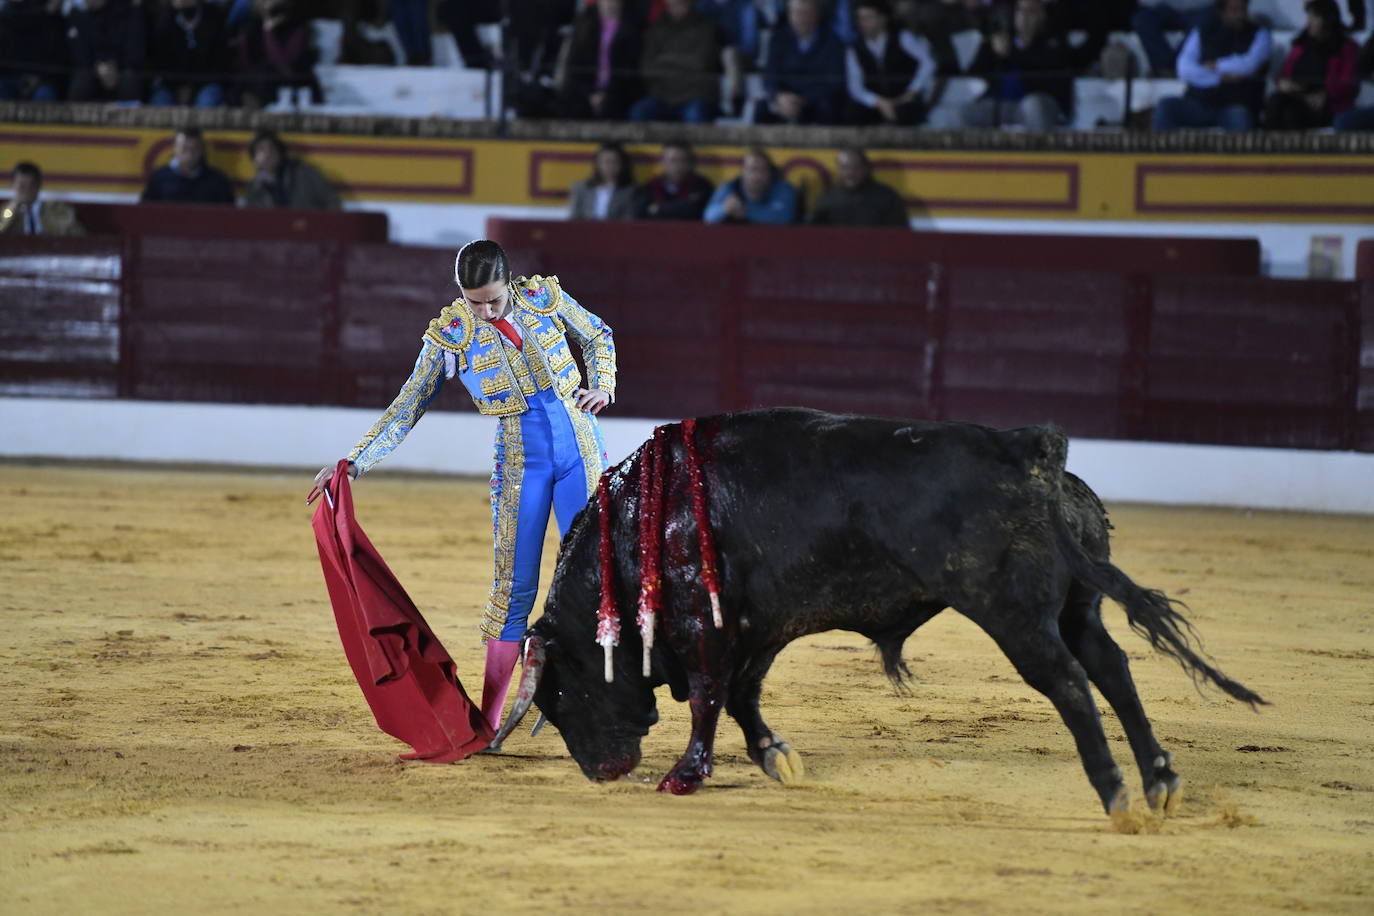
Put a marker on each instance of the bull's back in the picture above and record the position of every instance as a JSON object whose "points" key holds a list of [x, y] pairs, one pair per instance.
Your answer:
{"points": [[855, 517]]}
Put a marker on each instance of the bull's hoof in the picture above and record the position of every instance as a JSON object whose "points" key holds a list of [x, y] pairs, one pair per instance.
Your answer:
{"points": [[1166, 794], [1123, 820], [679, 785], [1165, 790], [784, 764]]}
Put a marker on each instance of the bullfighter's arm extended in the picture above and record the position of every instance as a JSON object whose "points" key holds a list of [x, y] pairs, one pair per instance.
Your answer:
{"points": [[405, 411]]}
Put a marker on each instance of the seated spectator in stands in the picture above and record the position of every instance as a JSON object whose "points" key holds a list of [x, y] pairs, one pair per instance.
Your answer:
{"points": [[29, 213], [1224, 63], [857, 199], [280, 180], [804, 78], [188, 178], [889, 71], [1029, 73], [461, 18], [680, 67], [678, 191], [1319, 79], [742, 24], [33, 50], [599, 64], [1360, 118], [107, 52], [759, 195], [1155, 19], [609, 191], [276, 51], [190, 54]]}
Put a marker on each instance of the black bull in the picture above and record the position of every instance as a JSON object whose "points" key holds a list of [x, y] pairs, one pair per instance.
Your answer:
{"points": [[872, 525]]}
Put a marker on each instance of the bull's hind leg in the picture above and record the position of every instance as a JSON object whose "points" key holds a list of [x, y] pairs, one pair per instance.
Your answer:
{"points": [[1106, 665], [766, 747], [1032, 642]]}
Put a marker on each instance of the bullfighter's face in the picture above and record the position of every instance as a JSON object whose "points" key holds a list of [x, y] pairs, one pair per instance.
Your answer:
{"points": [[489, 302], [602, 724]]}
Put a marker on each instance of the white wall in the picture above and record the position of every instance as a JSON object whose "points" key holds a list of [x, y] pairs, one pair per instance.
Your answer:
{"points": [[310, 437]]}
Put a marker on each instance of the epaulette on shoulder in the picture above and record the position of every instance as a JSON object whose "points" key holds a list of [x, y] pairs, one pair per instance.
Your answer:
{"points": [[453, 329], [540, 294]]}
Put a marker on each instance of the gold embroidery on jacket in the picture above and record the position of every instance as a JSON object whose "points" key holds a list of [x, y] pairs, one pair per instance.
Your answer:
{"points": [[494, 384], [488, 360], [506, 510], [405, 411]]}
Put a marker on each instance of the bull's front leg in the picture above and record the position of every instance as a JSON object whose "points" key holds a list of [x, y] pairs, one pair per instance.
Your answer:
{"points": [[706, 697]]}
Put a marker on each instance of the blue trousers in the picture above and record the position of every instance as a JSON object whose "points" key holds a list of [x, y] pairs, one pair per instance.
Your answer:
{"points": [[548, 459]]}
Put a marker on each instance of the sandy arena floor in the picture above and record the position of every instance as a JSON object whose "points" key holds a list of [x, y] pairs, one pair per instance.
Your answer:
{"points": [[179, 732]]}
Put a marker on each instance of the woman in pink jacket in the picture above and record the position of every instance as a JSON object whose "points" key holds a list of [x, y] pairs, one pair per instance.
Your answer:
{"points": [[1319, 79]]}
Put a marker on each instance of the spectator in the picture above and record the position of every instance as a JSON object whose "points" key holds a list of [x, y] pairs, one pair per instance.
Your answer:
{"points": [[107, 52], [1319, 79], [680, 67], [599, 73], [1224, 63], [27, 213], [1153, 20], [188, 178], [889, 71], [33, 47], [190, 54], [858, 199], [804, 78], [280, 180], [275, 52], [1360, 118], [609, 191], [679, 191], [1029, 73], [461, 18], [759, 195]]}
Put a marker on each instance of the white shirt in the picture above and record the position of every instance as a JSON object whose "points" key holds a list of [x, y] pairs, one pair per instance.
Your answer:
{"points": [[917, 48]]}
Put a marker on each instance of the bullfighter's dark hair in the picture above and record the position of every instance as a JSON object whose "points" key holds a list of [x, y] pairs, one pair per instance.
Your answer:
{"points": [[28, 168], [479, 263]]}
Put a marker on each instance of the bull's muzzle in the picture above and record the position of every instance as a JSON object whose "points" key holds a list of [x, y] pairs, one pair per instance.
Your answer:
{"points": [[533, 664]]}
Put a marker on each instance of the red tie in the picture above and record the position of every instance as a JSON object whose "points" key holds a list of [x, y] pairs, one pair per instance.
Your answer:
{"points": [[505, 328]]}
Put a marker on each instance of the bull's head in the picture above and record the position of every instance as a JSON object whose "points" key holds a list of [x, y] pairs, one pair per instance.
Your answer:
{"points": [[601, 723]]}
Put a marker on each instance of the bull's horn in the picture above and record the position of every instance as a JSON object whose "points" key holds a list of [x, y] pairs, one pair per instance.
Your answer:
{"points": [[524, 694]]}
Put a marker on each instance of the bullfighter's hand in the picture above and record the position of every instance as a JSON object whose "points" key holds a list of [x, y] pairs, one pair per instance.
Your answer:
{"points": [[322, 480], [592, 399]]}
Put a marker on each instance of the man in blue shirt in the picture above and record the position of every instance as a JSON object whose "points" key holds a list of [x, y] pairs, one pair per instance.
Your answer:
{"points": [[805, 73], [1224, 62], [188, 178]]}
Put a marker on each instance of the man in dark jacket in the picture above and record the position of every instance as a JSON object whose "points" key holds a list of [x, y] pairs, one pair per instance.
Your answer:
{"points": [[188, 178], [678, 191], [285, 181], [1029, 73], [804, 78], [857, 199], [190, 54], [680, 67], [1225, 63], [107, 48]]}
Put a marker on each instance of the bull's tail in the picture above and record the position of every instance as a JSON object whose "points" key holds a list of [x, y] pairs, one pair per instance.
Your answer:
{"points": [[1150, 612]]}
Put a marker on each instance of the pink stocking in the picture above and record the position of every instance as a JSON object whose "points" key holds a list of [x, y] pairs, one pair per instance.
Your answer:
{"points": [[501, 658]]}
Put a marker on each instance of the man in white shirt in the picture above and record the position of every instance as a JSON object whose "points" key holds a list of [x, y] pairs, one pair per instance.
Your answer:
{"points": [[1225, 63], [889, 72]]}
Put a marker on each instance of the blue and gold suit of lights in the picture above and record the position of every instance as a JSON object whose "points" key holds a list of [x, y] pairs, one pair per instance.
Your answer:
{"points": [[549, 453]]}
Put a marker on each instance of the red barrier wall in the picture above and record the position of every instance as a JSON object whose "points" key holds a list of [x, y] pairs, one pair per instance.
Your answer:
{"points": [[1155, 356], [225, 222]]}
